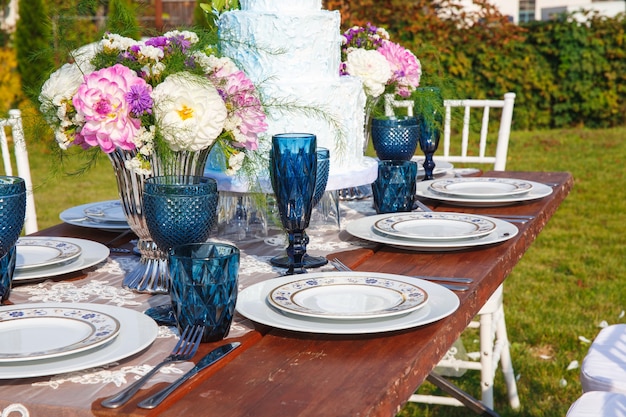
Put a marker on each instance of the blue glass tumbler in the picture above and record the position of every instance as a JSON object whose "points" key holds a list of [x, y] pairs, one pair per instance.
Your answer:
{"points": [[180, 209], [429, 108], [293, 172], [204, 286], [321, 179], [12, 214], [394, 189]]}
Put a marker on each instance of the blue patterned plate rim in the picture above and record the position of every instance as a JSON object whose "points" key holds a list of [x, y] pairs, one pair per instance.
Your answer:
{"points": [[435, 226], [33, 252], [347, 297], [481, 187], [28, 334]]}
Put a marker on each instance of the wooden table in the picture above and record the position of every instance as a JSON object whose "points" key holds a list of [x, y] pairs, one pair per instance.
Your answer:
{"points": [[284, 373]]}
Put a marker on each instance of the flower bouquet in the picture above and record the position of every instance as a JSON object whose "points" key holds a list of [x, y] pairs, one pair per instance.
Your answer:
{"points": [[382, 65], [155, 107], [385, 67]]}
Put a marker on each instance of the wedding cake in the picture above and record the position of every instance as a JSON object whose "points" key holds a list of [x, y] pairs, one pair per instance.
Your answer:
{"points": [[291, 50]]}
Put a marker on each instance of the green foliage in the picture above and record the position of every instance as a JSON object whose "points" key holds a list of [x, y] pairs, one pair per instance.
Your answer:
{"points": [[122, 19], [34, 59], [564, 73]]}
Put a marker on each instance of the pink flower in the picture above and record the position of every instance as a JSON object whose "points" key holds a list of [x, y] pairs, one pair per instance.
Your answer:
{"points": [[101, 101], [245, 108], [405, 66]]}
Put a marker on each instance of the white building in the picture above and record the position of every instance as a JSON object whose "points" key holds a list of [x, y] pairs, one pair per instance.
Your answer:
{"points": [[528, 10]]}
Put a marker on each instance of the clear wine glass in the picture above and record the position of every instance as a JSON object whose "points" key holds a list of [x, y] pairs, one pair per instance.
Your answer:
{"points": [[293, 173], [429, 109]]}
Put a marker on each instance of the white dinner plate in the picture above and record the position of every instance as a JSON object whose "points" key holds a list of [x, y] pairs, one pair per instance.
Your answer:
{"points": [[91, 254], [364, 228], [36, 252], [435, 226], [106, 211], [28, 334], [481, 187], [77, 217], [538, 191], [347, 297], [137, 332], [252, 303]]}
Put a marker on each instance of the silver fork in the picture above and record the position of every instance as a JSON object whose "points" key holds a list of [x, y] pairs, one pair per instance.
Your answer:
{"points": [[340, 266], [184, 350]]}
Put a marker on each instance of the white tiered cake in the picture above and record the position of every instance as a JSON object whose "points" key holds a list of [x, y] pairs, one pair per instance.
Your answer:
{"points": [[291, 49]]}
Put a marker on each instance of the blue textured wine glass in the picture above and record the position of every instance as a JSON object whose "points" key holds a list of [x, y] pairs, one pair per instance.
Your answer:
{"points": [[204, 286], [293, 172], [180, 209], [429, 109], [12, 214], [321, 179]]}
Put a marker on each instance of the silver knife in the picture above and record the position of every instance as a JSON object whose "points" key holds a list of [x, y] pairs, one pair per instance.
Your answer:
{"points": [[212, 357]]}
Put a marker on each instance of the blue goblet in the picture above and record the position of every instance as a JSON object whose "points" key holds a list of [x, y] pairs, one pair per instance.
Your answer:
{"points": [[179, 209], [12, 214], [429, 109], [321, 179], [293, 172]]}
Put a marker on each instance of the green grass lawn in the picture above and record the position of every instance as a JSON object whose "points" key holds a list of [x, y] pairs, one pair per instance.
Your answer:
{"points": [[570, 280]]}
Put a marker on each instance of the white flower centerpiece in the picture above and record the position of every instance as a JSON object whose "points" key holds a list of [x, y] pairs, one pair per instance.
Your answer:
{"points": [[155, 107]]}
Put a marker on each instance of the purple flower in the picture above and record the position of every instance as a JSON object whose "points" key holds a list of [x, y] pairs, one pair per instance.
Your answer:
{"points": [[181, 42], [158, 42], [139, 99]]}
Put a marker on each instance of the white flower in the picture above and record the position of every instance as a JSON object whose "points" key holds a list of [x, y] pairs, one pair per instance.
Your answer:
{"points": [[235, 162], [151, 52], [61, 86], [83, 55], [212, 63], [62, 139], [371, 67], [117, 42], [190, 112], [187, 35], [154, 69]]}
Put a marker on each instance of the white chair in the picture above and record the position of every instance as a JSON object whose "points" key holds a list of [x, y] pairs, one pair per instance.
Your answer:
{"points": [[14, 122], [504, 131], [604, 366], [599, 404], [494, 343]]}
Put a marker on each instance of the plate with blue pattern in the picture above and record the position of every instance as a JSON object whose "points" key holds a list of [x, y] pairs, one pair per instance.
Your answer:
{"points": [[28, 334], [347, 297]]}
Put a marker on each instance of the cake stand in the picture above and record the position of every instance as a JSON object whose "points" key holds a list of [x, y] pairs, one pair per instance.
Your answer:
{"points": [[242, 214]]}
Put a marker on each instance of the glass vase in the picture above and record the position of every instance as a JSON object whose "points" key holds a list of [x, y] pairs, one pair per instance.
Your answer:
{"points": [[151, 275]]}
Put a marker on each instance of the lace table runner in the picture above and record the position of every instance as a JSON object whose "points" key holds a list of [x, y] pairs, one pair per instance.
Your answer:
{"points": [[73, 393]]}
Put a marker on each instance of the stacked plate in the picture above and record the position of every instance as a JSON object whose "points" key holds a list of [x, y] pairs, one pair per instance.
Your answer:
{"points": [[432, 231], [346, 302], [42, 257], [105, 215], [482, 191], [51, 338]]}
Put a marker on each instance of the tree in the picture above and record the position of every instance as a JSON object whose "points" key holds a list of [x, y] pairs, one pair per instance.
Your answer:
{"points": [[34, 57], [122, 19]]}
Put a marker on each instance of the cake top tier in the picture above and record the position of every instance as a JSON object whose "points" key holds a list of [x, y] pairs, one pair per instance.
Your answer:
{"points": [[287, 6]]}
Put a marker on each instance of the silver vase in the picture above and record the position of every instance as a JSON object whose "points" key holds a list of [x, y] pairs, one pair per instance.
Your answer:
{"points": [[151, 275]]}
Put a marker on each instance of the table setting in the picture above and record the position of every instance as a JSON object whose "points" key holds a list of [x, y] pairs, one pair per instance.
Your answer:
{"points": [[257, 280], [330, 300]]}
